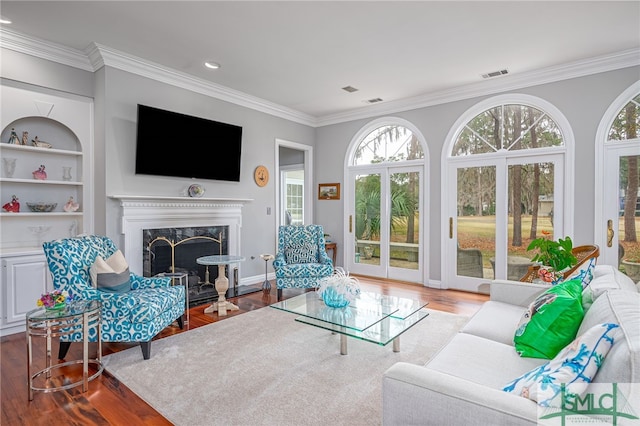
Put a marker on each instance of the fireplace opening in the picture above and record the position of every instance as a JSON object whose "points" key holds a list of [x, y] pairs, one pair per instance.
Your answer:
{"points": [[169, 250]]}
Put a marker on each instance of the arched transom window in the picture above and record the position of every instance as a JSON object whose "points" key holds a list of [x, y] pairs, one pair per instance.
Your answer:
{"points": [[507, 127], [387, 144], [625, 125]]}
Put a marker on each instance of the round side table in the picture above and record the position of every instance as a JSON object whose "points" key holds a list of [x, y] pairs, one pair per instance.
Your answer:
{"points": [[77, 317]]}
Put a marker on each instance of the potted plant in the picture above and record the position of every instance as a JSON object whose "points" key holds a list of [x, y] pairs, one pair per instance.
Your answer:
{"points": [[554, 256], [632, 268]]}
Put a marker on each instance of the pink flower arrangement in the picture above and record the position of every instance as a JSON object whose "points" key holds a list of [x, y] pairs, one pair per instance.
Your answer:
{"points": [[49, 300]]}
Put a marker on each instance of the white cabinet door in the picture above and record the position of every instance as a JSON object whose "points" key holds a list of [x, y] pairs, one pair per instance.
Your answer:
{"points": [[25, 279]]}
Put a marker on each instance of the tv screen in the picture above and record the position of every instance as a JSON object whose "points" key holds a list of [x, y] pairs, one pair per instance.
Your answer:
{"points": [[178, 145]]}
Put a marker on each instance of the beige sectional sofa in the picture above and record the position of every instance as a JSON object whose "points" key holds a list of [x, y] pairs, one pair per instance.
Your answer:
{"points": [[462, 384]]}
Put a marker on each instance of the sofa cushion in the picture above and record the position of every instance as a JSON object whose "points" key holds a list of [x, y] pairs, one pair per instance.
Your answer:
{"points": [[622, 364], [481, 361], [606, 277], [111, 274], [575, 367], [496, 321], [551, 321]]}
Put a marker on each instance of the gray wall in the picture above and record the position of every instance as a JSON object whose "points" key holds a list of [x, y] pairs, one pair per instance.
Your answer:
{"points": [[582, 100], [123, 91]]}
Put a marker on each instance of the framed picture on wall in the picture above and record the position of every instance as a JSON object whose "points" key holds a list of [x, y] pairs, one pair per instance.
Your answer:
{"points": [[329, 191]]}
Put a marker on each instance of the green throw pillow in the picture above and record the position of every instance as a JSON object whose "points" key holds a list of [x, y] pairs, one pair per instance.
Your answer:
{"points": [[551, 322]]}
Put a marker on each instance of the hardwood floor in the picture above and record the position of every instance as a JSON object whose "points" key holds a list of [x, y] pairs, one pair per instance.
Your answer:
{"points": [[109, 402]]}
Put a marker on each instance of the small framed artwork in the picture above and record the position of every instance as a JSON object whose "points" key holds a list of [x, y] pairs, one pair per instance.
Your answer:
{"points": [[329, 191]]}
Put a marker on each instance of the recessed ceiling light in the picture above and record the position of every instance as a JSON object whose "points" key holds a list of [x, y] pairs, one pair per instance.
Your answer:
{"points": [[4, 20], [349, 89], [212, 65]]}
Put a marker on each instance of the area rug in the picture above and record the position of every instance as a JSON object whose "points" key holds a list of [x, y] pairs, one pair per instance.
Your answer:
{"points": [[264, 368]]}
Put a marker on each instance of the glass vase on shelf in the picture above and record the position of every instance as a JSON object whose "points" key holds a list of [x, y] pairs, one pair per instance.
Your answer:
{"points": [[8, 166], [66, 173]]}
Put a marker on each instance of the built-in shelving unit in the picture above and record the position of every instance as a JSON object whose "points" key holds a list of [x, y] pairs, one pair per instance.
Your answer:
{"points": [[66, 123]]}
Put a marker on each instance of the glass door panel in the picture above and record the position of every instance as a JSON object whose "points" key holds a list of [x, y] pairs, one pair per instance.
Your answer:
{"points": [[629, 215], [367, 219], [530, 213], [476, 221], [404, 226]]}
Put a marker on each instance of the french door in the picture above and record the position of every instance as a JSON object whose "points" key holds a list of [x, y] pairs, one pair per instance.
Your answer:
{"points": [[493, 206], [385, 223]]}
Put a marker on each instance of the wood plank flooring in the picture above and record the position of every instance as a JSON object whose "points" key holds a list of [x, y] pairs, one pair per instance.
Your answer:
{"points": [[109, 402]]}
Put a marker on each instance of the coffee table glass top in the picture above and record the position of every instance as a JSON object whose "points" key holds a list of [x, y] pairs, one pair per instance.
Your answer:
{"points": [[373, 317]]}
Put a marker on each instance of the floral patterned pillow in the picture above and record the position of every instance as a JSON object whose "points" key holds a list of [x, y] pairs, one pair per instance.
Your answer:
{"points": [[585, 273], [574, 367]]}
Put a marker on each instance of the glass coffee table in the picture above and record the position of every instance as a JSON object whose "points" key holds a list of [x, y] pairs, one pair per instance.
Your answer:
{"points": [[372, 317]]}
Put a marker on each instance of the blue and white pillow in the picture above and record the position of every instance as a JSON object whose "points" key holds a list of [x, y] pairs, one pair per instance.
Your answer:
{"points": [[301, 253], [575, 367], [585, 273]]}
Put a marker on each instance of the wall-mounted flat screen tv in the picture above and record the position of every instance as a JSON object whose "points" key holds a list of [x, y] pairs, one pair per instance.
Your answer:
{"points": [[178, 145]]}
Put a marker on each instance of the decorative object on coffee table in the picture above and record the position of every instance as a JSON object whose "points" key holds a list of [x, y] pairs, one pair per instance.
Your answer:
{"points": [[339, 289]]}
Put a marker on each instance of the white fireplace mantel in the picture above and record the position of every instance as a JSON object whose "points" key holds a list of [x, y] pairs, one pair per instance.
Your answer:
{"points": [[138, 213]]}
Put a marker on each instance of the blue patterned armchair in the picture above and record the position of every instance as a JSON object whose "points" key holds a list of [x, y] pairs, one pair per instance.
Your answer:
{"points": [[136, 315], [301, 259]]}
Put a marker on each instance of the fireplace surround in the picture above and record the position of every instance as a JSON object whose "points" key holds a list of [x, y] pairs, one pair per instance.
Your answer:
{"points": [[180, 217]]}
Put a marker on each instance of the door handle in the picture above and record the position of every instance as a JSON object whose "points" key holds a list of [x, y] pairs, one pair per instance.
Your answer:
{"points": [[350, 224], [610, 233], [450, 228]]}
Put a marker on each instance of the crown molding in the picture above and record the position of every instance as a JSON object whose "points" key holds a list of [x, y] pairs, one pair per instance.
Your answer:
{"points": [[43, 49], [619, 60], [102, 55], [96, 56]]}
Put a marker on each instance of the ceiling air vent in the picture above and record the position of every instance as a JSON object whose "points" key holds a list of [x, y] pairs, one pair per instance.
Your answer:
{"points": [[373, 101], [495, 74], [349, 89]]}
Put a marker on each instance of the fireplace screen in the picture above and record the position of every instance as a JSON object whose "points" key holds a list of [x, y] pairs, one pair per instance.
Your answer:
{"points": [[169, 250]]}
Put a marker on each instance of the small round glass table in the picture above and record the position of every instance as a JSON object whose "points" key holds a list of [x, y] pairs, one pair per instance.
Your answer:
{"points": [[222, 283], [76, 317]]}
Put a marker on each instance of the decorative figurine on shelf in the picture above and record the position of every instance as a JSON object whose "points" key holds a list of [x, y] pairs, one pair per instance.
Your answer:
{"points": [[25, 138], [40, 174], [12, 206], [13, 139], [40, 144], [71, 205]]}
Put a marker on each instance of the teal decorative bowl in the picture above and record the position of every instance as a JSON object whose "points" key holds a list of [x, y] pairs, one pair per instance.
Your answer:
{"points": [[333, 299]]}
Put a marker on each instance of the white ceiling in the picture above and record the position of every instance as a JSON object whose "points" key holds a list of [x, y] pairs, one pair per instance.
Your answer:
{"points": [[299, 54]]}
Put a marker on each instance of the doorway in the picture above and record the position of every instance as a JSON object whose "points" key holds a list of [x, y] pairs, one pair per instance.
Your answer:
{"points": [[294, 169]]}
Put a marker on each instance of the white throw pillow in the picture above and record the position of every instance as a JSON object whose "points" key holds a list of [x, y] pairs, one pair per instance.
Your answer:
{"points": [[112, 274], [575, 367], [606, 277]]}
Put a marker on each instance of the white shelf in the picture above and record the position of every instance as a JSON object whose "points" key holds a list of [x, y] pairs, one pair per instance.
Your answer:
{"points": [[38, 150], [40, 182], [36, 214]]}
